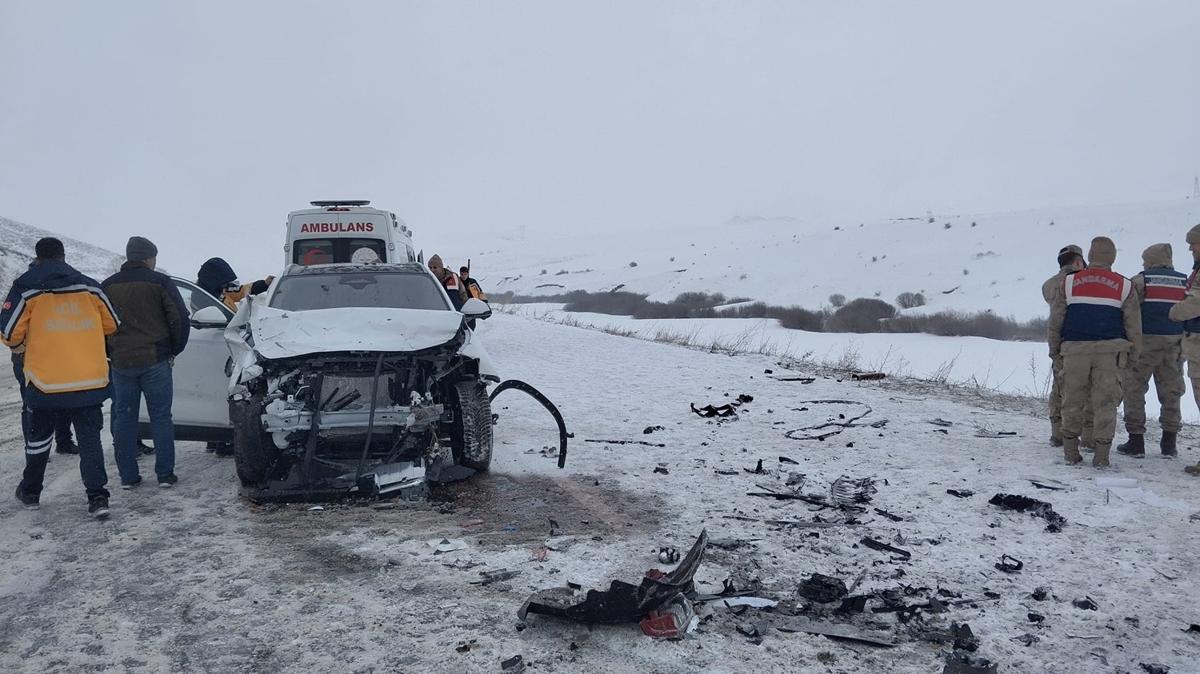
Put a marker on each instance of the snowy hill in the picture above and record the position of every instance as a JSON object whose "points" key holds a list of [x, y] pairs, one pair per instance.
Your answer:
{"points": [[16, 252], [968, 262]]}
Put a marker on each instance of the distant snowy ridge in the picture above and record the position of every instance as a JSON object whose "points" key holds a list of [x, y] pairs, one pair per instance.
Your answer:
{"points": [[964, 262], [17, 241]]}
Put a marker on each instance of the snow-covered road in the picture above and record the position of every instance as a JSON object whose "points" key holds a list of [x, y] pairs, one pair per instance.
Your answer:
{"points": [[195, 579]]}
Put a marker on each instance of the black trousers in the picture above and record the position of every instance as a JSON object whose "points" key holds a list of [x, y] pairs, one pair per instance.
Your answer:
{"points": [[39, 436]]}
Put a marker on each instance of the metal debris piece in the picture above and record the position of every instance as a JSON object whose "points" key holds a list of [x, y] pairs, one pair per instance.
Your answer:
{"points": [[1009, 564], [960, 493], [884, 547], [1193, 628], [752, 602], [651, 429], [661, 470], [985, 433], [1033, 506], [1046, 483], [1035, 618], [668, 555], [726, 411], [497, 576], [965, 663], [443, 545], [847, 491], [622, 602], [941, 422], [819, 431], [1040, 593], [835, 631], [823, 589], [1086, 604], [745, 398], [514, 665], [602, 441], [758, 470], [784, 459], [1154, 668]]}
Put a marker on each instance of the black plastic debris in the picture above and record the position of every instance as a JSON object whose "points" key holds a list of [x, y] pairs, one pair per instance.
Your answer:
{"points": [[1032, 506], [661, 470], [1040, 593], [758, 470], [1009, 564], [719, 411], [652, 429], [834, 631], [941, 422], [622, 602], [784, 459], [1035, 618], [856, 604], [1193, 629], [602, 441], [891, 516], [964, 637], [884, 547], [1027, 639], [965, 663], [867, 376], [745, 398], [960, 493], [497, 576], [823, 589], [1086, 604], [668, 555], [514, 665], [1154, 668]]}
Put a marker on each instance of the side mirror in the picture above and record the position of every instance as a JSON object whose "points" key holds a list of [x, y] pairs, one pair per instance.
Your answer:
{"points": [[476, 309], [209, 317]]}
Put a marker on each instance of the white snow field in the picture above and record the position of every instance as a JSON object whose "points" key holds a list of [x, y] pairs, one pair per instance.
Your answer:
{"points": [[196, 579], [967, 262]]}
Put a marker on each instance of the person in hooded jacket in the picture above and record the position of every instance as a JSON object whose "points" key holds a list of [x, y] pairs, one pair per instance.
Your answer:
{"points": [[1096, 328], [61, 318], [1187, 312], [1158, 288], [218, 279]]}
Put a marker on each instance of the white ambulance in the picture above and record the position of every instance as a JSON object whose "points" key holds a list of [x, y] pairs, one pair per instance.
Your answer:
{"points": [[333, 231]]}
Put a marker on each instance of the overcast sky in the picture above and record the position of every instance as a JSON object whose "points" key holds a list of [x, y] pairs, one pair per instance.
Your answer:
{"points": [[200, 124]]}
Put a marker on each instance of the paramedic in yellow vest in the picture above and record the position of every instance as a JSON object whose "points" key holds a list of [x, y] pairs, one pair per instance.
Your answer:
{"points": [[218, 279], [61, 318]]}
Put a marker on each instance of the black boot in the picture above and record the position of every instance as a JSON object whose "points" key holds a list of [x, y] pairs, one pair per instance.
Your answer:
{"points": [[1135, 446], [1168, 444]]}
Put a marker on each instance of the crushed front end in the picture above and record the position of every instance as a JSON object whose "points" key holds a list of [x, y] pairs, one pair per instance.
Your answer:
{"points": [[329, 425]]}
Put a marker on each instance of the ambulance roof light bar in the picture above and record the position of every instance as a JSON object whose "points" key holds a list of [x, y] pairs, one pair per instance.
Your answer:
{"points": [[340, 202]]}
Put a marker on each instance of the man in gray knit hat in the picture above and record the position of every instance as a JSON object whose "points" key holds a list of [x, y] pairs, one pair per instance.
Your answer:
{"points": [[154, 329], [1188, 313]]}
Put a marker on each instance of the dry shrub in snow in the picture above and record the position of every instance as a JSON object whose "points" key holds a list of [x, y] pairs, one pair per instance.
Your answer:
{"points": [[910, 300], [837, 300], [860, 315]]}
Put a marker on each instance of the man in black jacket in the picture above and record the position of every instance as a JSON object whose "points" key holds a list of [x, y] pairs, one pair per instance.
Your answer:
{"points": [[154, 329]]}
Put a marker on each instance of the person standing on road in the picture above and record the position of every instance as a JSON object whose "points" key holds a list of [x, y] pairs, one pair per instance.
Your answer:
{"points": [[61, 318], [1070, 260], [1158, 288], [1188, 313], [154, 329], [1096, 328], [449, 280], [218, 279]]}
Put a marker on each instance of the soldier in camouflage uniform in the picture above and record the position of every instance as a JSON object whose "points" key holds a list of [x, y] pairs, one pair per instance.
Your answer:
{"points": [[1188, 313], [1070, 260]]}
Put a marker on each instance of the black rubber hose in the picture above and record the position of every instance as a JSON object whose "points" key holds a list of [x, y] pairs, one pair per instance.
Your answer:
{"points": [[537, 395], [362, 460]]}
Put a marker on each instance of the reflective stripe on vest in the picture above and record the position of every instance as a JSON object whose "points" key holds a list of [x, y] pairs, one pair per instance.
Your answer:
{"points": [[1164, 289], [1094, 300]]}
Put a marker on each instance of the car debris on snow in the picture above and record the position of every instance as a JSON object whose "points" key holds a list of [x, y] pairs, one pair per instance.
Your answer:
{"points": [[905, 555], [836, 631], [867, 376], [835, 426], [960, 493], [959, 662], [513, 665], [1055, 522], [1009, 564], [671, 621], [985, 433], [622, 602], [443, 545], [849, 491], [625, 442], [823, 589]]}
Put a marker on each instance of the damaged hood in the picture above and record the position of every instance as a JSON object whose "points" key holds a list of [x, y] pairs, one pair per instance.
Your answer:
{"points": [[286, 334]]}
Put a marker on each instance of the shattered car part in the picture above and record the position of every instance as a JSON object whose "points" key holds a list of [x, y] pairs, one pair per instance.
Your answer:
{"points": [[884, 547], [867, 376], [835, 631], [668, 555], [1009, 564], [1033, 506], [964, 637], [726, 411], [517, 385], [847, 491], [960, 493], [831, 427], [673, 620], [964, 663], [823, 589], [1086, 604], [622, 602]]}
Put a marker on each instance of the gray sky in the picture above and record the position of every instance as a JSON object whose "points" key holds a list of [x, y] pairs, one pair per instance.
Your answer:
{"points": [[200, 124]]}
